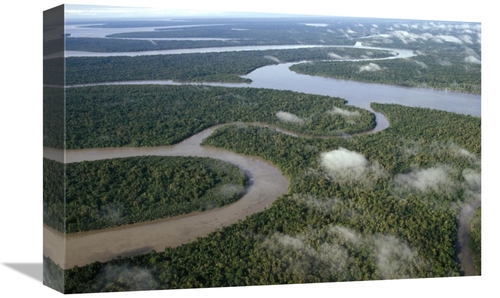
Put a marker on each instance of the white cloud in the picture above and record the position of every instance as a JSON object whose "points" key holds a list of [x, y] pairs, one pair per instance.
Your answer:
{"points": [[334, 56], [344, 113], [444, 62], [370, 67], [466, 39], [458, 151], [289, 117], [435, 178], [344, 163], [409, 37], [421, 64], [472, 60], [405, 36], [395, 259], [343, 159], [346, 166], [449, 38], [300, 258], [472, 179], [346, 233]]}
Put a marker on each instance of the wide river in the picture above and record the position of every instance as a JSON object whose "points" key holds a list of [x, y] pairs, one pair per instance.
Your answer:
{"points": [[267, 182]]}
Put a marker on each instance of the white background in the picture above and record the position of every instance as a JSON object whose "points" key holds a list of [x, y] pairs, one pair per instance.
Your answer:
{"points": [[21, 143]]}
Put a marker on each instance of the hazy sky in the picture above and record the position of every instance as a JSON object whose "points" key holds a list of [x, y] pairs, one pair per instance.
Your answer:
{"points": [[422, 9]]}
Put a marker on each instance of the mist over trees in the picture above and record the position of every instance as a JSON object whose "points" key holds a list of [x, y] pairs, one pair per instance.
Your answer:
{"points": [[359, 207]]}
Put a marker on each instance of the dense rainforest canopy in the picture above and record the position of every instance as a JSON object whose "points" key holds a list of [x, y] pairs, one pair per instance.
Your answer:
{"points": [[195, 67], [120, 191], [373, 206], [475, 239], [148, 115], [383, 220]]}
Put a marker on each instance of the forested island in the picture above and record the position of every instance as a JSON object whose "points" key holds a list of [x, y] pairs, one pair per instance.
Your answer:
{"points": [[361, 205], [195, 67], [453, 71], [121, 191]]}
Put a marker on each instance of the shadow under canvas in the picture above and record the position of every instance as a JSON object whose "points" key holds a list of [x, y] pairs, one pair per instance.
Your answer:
{"points": [[33, 270]]}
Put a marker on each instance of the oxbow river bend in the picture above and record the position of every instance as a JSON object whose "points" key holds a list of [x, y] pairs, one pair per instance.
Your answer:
{"points": [[267, 183], [103, 245]]}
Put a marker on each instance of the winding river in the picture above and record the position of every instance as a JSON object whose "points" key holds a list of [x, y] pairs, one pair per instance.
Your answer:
{"points": [[359, 94], [266, 181]]}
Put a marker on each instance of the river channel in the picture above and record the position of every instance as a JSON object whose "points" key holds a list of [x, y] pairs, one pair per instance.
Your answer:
{"points": [[267, 182], [359, 94], [280, 77]]}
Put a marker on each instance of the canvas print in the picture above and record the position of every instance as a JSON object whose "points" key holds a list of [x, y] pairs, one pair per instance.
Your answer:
{"points": [[198, 151]]}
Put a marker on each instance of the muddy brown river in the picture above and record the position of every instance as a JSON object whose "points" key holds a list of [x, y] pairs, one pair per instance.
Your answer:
{"points": [[267, 183]]}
